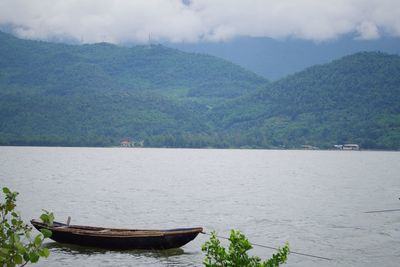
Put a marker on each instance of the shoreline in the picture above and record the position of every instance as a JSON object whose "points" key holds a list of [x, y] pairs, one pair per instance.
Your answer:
{"points": [[208, 148]]}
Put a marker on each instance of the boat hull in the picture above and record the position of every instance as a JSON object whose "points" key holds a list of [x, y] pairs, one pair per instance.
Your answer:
{"points": [[149, 239]]}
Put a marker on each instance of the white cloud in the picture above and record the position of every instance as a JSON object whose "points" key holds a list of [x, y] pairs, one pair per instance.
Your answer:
{"points": [[120, 21], [368, 30]]}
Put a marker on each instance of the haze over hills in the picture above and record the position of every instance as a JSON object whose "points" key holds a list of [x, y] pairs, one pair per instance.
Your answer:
{"points": [[96, 95], [275, 59]]}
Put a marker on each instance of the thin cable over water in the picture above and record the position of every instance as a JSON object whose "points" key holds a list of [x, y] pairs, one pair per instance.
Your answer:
{"points": [[376, 211]]}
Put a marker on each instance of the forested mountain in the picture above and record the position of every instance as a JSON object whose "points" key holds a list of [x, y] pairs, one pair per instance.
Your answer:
{"points": [[96, 95], [352, 100], [57, 94], [60, 69]]}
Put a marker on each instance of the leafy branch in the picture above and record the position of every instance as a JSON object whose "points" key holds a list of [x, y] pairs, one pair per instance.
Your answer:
{"points": [[237, 253], [17, 245]]}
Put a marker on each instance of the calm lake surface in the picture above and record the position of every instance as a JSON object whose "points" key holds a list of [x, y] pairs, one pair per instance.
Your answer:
{"points": [[314, 199]]}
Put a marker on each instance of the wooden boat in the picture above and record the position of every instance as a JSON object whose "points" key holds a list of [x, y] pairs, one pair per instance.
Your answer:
{"points": [[112, 238]]}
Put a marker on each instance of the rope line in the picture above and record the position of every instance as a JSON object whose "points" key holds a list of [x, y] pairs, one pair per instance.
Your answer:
{"points": [[264, 246], [376, 211]]}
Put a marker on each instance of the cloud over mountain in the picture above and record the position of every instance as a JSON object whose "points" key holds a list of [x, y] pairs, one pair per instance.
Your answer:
{"points": [[120, 21]]}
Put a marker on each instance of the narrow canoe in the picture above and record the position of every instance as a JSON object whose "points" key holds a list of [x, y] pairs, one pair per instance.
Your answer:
{"points": [[113, 238]]}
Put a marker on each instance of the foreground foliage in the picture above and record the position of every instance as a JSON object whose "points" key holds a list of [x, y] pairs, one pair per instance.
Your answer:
{"points": [[17, 245], [237, 254]]}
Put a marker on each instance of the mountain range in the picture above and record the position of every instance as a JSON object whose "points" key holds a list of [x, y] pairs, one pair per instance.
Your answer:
{"points": [[99, 94]]}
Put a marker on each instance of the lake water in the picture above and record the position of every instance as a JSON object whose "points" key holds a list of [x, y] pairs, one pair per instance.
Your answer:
{"points": [[314, 199]]}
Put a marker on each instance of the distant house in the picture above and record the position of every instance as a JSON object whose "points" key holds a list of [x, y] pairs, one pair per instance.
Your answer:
{"points": [[351, 147], [126, 143], [347, 147]]}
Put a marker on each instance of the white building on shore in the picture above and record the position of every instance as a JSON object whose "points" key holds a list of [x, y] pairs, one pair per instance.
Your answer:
{"points": [[347, 147]]}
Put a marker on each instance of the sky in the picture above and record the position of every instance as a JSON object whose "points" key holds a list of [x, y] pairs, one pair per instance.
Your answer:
{"points": [[199, 21]]}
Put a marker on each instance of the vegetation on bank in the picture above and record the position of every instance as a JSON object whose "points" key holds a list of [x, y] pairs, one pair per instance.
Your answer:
{"points": [[237, 254], [17, 244], [98, 95]]}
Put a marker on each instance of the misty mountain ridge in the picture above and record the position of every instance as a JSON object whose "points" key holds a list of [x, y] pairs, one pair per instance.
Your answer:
{"points": [[96, 95], [275, 59], [102, 66]]}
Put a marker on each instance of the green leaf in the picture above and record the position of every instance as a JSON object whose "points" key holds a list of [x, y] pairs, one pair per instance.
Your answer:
{"points": [[46, 233], [44, 252], [44, 217], [21, 249], [4, 251], [6, 190], [16, 237], [47, 217], [10, 206], [17, 259], [37, 241], [26, 257], [34, 257]]}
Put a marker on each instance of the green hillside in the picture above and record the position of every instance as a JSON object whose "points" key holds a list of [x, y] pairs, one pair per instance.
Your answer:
{"points": [[59, 69], [355, 99], [96, 95]]}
